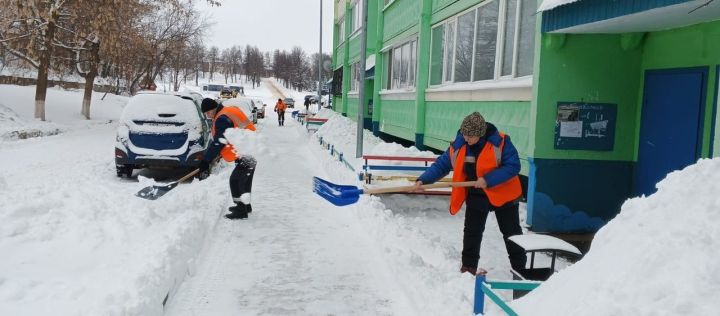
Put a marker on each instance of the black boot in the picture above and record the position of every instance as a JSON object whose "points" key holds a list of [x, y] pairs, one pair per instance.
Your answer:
{"points": [[248, 208], [237, 212]]}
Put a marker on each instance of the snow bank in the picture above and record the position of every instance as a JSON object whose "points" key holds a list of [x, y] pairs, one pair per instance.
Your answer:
{"points": [[92, 248], [62, 111], [12, 126], [657, 257], [342, 133]]}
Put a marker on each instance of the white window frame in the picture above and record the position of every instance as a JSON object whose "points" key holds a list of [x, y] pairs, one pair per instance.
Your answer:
{"points": [[341, 30], [355, 78], [356, 16], [499, 47], [412, 66]]}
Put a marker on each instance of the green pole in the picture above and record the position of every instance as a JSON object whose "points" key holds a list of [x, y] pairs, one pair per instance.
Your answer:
{"points": [[379, 71], [422, 72], [346, 58]]}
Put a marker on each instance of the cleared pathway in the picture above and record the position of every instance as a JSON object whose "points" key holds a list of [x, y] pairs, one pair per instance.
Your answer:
{"points": [[295, 255]]}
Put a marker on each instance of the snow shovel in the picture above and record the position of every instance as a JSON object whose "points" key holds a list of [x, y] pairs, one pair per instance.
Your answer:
{"points": [[341, 195], [153, 192]]}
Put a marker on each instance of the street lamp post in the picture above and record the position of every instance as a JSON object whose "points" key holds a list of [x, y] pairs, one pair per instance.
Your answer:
{"points": [[320, 62], [361, 86]]}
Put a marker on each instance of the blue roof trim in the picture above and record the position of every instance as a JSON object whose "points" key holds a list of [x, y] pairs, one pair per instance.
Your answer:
{"points": [[589, 11]]}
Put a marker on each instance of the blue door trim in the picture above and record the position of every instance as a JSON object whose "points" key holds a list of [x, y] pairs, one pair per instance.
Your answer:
{"points": [[703, 97], [714, 111]]}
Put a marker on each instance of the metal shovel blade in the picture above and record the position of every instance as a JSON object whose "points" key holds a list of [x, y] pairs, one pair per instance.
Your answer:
{"points": [[155, 191], [338, 195]]}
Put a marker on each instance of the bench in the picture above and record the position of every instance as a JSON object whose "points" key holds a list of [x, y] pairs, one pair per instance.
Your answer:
{"points": [[527, 280], [421, 164]]}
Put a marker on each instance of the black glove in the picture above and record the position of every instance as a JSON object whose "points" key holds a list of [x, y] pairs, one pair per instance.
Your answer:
{"points": [[204, 166]]}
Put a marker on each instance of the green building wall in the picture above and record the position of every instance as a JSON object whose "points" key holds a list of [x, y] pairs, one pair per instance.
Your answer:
{"points": [[578, 190]]}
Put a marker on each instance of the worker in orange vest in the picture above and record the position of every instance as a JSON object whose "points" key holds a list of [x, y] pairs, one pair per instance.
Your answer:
{"points": [[280, 108], [225, 117], [483, 154]]}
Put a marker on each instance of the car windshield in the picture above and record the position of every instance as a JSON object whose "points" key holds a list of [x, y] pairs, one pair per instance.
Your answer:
{"points": [[289, 99], [215, 87]]}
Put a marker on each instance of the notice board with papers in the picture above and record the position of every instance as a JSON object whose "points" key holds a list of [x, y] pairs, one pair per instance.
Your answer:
{"points": [[585, 126]]}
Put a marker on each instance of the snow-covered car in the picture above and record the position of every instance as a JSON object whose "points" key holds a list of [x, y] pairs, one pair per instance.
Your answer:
{"points": [[247, 105], [160, 130], [260, 105]]}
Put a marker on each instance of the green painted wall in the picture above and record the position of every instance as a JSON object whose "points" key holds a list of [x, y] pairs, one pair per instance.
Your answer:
{"points": [[444, 9], [512, 118], [398, 118], [693, 46], [400, 16], [339, 53], [590, 68]]}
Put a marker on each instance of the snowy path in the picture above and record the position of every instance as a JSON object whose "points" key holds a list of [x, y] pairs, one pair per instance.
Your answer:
{"points": [[296, 255]]}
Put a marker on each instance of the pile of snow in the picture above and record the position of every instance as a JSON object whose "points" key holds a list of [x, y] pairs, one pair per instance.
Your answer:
{"points": [[74, 240], [62, 111], [657, 257], [246, 142], [12, 126], [342, 133]]}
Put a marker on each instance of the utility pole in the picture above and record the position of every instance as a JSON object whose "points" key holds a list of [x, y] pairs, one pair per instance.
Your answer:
{"points": [[361, 87], [320, 62]]}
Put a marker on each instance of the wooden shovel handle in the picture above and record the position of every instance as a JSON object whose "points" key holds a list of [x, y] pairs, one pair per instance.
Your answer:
{"points": [[188, 176], [424, 186], [194, 172]]}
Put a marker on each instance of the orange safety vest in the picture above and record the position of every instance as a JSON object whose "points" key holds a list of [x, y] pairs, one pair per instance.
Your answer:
{"points": [[238, 119], [280, 106], [488, 160]]}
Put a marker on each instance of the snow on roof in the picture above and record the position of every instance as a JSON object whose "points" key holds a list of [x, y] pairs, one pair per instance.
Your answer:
{"points": [[551, 4], [657, 257]]}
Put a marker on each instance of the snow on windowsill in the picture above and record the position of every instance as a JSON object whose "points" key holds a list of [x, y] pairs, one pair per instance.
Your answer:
{"points": [[397, 91], [523, 82]]}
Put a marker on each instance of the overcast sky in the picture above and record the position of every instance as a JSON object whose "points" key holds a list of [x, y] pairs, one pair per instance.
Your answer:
{"points": [[270, 24]]}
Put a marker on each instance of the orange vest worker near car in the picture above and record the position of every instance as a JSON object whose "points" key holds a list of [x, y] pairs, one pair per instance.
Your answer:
{"points": [[225, 117], [280, 108], [483, 154]]}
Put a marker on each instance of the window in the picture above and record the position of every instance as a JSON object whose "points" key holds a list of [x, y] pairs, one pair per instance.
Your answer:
{"points": [[401, 66], [494, 40], [464, 46], [509, 37], [357, 15], [341, 31], [526, 39], [436, 54], [355, 77], [486, 41]]}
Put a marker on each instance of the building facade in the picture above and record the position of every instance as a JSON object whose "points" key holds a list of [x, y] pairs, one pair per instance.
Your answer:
{"points": [[602, 98]]}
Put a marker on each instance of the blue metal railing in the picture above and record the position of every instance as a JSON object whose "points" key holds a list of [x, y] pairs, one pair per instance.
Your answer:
{"points": [[483, 288]]}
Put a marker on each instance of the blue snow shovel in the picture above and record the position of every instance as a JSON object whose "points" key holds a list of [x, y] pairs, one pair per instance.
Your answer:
{"points": [[153, 192], [341, 195]]}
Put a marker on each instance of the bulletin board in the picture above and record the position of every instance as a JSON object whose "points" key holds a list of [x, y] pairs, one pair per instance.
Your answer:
{"points": [[585, 126]]}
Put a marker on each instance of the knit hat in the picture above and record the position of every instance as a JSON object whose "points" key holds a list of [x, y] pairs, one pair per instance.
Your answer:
{"points": [[473, 125], [208, 104]]}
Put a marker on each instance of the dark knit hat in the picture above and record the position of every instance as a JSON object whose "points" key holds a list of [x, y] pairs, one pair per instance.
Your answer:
{"points": [[473, 125], [208, 104]]}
